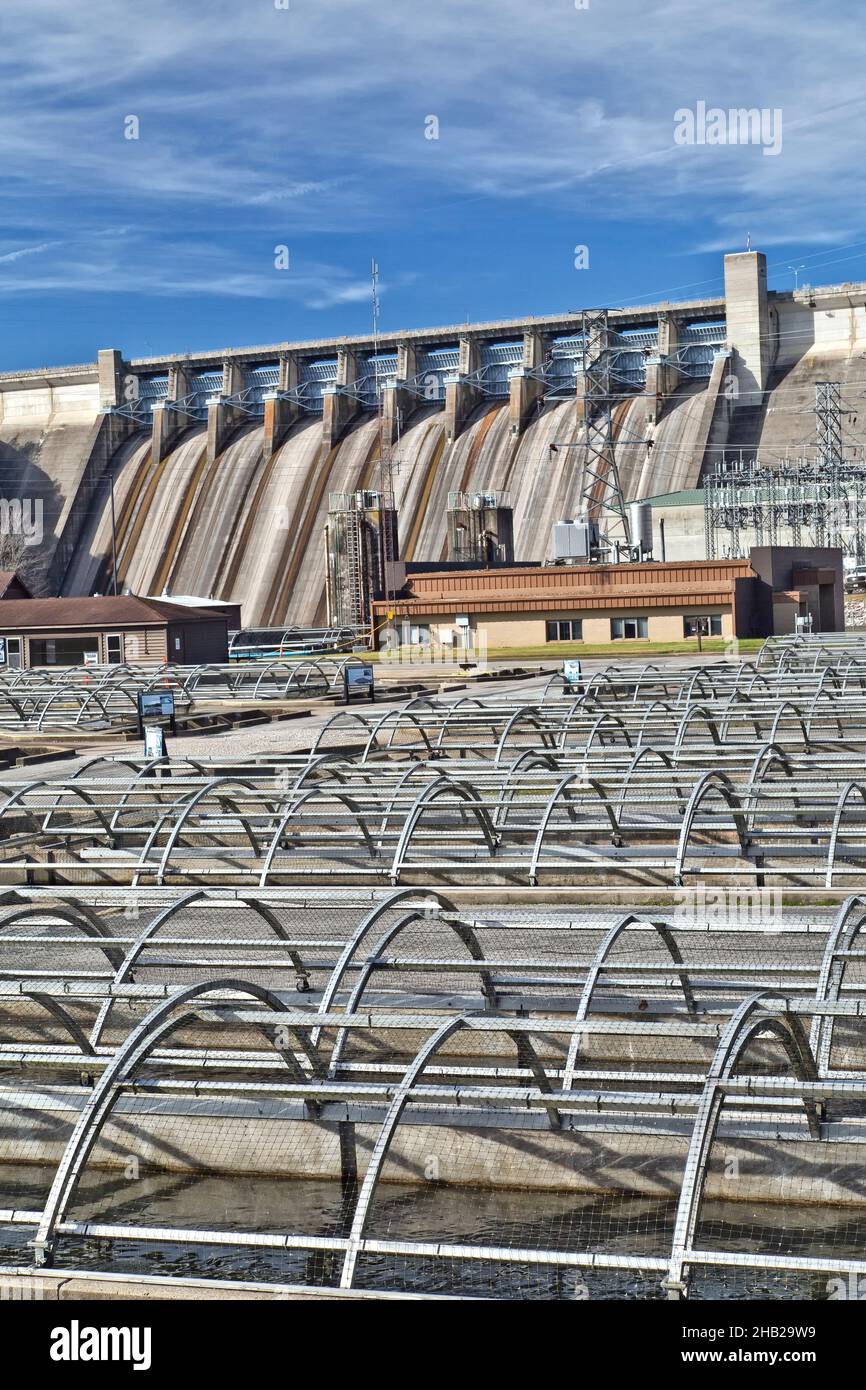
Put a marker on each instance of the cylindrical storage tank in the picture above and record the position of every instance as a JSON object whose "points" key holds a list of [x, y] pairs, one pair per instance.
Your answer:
{"points": [[640, 516]]}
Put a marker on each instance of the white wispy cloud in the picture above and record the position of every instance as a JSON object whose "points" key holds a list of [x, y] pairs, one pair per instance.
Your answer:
{"points": [[274, 124], [11, 256]]}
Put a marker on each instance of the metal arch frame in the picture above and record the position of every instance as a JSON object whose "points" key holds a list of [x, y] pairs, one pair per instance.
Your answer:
{"points": [[771, 809], [684, 695], [799, 718], [599, 960], [323, 762], [848, 663], [642, 751], [767, 755], [830, 675], [584, 705], [67, 692], [641, 672], [64, 1018], [756, 675], [439, 775], [383, 1143], [76, 915], [16, 795], [33, 814], [583, 782], [71, 790], [146, 935], [846, 792], [192, 802], [533, 758], [452, 710], [714, 780], [650, 709], [829, 709], [552, 1103], [344, 714], [736, 699], [607, 716], [384, 1138], [529, 712], [144, 865], [465, 935], [10, 700], [397, 715], [420, 804], [308, 667], [551, 681], [192, 681], [100, 759], [149, 766], [738, 1033], [831, 975], [98, 695], [326, 793], [365, 926], [691, 713], [157, 1024], [595, 679]]}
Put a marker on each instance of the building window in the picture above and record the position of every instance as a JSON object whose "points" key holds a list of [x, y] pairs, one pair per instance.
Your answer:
{"points": [[709, 625], [569, 630], [628, 627], [114, 648], [10, 652], [82, 650]]}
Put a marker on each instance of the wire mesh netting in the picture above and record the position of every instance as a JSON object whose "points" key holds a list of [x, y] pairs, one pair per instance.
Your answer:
{"points": [[226, 1052]]}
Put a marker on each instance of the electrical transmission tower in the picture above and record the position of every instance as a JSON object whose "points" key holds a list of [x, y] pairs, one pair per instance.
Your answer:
{"points": [[601, 493], [828, 423]]}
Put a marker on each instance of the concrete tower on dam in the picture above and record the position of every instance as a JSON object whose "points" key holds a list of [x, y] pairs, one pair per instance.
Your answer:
{"points": [[220, 465]]}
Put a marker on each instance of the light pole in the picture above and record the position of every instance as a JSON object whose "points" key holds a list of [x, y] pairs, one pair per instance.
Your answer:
{"points": [[796, 269]]}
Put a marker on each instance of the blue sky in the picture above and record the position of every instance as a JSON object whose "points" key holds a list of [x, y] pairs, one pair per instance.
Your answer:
{"points": [[305, 127]]}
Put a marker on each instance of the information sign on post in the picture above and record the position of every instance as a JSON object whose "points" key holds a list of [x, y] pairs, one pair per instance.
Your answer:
{"points": [[156, 705], [358, 683]]}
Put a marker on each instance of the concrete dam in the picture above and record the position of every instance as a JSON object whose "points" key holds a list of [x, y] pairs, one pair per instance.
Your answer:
{"points": [[218, 467]]}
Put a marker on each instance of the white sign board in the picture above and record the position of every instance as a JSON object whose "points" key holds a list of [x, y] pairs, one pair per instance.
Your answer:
{"points": [[154, 741], [571, 672]]}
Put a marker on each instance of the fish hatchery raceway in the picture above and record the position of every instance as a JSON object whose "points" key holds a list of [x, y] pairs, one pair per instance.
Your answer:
{"points": [[524, 991]]}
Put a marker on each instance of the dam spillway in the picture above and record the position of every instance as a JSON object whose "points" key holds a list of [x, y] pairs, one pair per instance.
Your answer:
{"points": [[221, 465]]}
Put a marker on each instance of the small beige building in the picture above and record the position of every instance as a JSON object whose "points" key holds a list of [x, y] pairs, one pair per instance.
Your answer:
{"points": [[528, 606]]}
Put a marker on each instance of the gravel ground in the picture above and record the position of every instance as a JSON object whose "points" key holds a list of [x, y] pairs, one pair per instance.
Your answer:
{"points": [[298, 734]]}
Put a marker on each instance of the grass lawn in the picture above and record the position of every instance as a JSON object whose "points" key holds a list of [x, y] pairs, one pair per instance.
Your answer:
{"points": [[552, 653], [623, 650]]}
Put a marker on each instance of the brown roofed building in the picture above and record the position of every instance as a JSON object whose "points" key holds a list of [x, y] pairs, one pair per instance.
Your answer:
{"points": [[531, 605], [109, 630]]}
